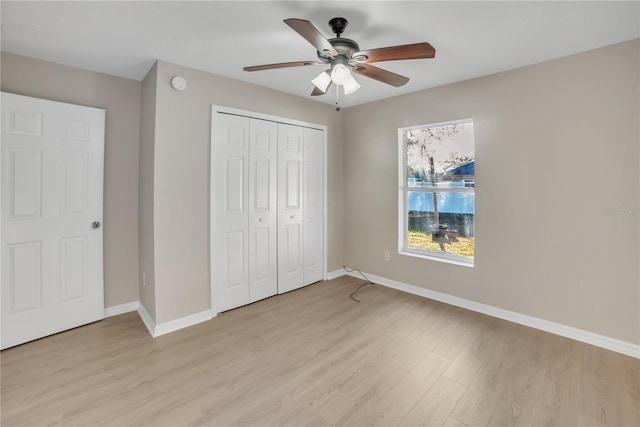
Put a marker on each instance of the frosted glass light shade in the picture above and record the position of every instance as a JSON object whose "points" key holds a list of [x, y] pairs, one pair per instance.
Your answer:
{"points": [[350, 85], [323, 81], [340, 74]]}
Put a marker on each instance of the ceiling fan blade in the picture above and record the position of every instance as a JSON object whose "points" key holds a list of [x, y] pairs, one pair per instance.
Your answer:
{"points": [[282, 65], [317, 92], [381, 75], [394, 53], [311, 34]]}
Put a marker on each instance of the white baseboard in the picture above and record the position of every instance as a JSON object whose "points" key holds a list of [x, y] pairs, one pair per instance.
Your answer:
{"points": [[183, 322], [121, 309], [147, 320], [173, 325], [335, 274], [608, 343]]}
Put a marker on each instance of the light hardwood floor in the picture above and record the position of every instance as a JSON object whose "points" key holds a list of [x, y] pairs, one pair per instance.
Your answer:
{"points": [[315, 357]]}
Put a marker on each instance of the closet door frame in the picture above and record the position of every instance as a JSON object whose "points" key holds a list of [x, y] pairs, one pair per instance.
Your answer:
{"points": [[212, 187]]}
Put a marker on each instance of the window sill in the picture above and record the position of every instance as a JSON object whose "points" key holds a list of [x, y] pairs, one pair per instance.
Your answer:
{"points": [[444, 259]]}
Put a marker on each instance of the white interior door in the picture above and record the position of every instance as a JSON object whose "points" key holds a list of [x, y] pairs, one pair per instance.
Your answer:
{"points": [[52, 181], [267, 207], [263, 158], [313, 178], [230, 177], [290, 213]]}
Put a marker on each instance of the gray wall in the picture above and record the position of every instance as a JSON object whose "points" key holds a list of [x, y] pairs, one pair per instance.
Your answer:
{"points": [[181, 179], [121, 99], [145, 201], [557, 147]]}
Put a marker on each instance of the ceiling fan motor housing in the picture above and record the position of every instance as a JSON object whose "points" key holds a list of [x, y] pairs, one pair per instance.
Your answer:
{"points": [[345, 47]]}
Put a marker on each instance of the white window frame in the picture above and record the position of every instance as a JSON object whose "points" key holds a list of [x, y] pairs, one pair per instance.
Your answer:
{"points": [[403, 194]]}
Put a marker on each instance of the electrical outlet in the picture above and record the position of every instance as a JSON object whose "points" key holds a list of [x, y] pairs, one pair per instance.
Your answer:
{"points": [[144, 279], [386, 255]]}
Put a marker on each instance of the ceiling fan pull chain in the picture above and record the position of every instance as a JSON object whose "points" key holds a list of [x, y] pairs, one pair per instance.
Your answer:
{"points": [[337, 97]]}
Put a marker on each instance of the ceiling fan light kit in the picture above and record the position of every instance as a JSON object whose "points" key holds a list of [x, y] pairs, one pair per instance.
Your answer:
{"points": [[322, 82], [350, 86], [340, 74], [345, 57]]}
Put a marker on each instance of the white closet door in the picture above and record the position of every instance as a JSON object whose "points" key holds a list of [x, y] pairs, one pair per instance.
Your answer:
{"points": [[230, 260], [290, 214], [313, 205], [52, 180], [263, 158]]}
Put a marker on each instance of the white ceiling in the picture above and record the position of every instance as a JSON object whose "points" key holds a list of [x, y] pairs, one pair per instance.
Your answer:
{"points": [[472, 39]]}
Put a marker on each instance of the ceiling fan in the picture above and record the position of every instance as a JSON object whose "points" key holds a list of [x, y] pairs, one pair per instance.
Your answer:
{"points": [[345, 57]]}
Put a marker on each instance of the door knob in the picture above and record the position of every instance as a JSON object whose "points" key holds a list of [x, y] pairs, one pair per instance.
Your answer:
{"points": [[95, 224]]}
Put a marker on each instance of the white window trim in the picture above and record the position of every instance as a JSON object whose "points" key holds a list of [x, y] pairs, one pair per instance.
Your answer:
{"points": [[403, 191]]}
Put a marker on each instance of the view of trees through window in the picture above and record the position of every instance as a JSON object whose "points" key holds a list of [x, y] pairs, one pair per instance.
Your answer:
{"points": [[439, 190]]}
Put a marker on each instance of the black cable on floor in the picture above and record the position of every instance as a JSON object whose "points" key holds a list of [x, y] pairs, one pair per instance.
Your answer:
{"points": [[369, 282]]}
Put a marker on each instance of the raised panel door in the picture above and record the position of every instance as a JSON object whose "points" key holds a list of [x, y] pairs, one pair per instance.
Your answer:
{"points": [[52, 181], [263, 158], [230, 208], [290, 212]]}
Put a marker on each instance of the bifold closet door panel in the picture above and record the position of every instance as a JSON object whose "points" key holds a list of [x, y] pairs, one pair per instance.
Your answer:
{"points": [[313, 209], [230, 211], [290, 212], [263, 169]]}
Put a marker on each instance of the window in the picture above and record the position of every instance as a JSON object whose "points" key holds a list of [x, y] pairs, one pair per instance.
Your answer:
{"points": [[437, 192]]}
